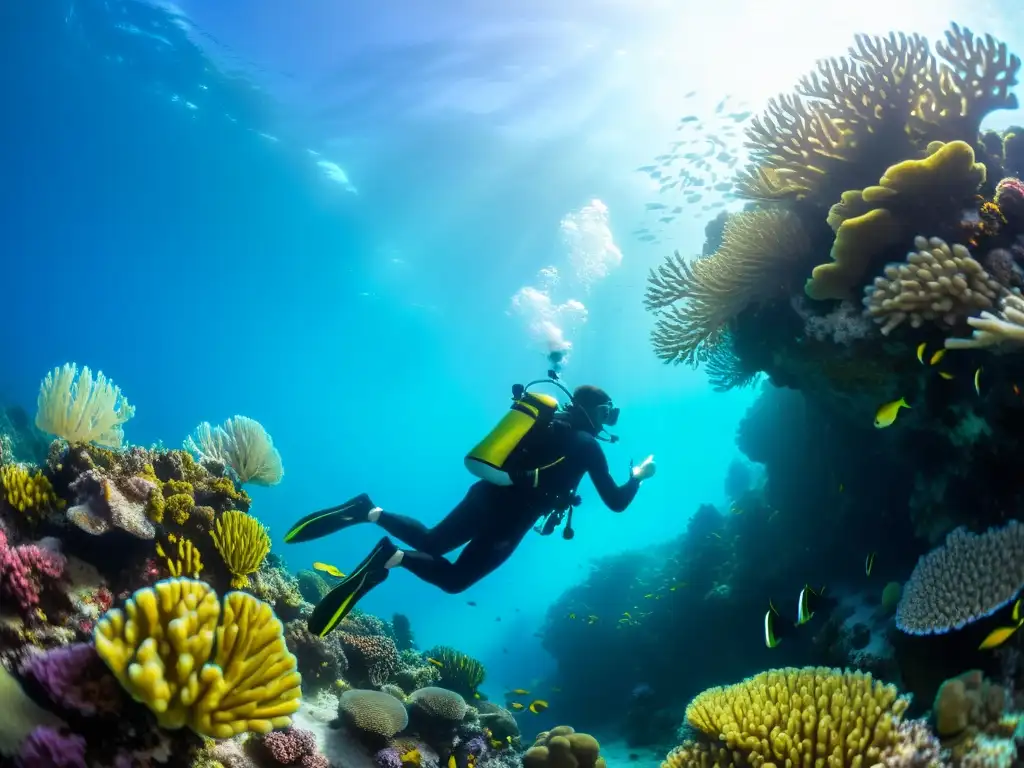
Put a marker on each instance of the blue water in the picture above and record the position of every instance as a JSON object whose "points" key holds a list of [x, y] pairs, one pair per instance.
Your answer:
{"points": [[164, 220]]}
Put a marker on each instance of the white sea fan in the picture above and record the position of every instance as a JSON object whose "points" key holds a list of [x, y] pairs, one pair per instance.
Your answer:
{"points": [[81, 408], [242, 444]]}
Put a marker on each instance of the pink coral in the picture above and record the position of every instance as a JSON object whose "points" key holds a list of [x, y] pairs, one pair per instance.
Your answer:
{"points": [[24, 571], [1010, 199], [375, 655], [294, 746]]}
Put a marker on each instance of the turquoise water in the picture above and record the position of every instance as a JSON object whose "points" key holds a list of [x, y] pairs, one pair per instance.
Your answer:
{"points": [[321, 218]]}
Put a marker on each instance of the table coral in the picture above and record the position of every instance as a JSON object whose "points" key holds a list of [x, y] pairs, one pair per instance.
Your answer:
{"points": [[969, 577], [25, 571], [762, 252], [887, 99], [221, 668]]}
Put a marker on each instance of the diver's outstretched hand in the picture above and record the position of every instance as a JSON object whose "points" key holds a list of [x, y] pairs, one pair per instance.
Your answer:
{"points": [[645, 469]]}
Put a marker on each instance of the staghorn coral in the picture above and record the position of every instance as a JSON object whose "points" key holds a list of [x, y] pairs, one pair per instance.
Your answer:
{"points": [[220, 668], [889, 98], [908, 195], [25, 571], [243, 445], [459, 671], [372, 658], [82, 409], [937, 283], [27, 491], [991, 330], [182, 560], [243, 542], [374, 715], [762, 720], [761, 254], [562, 747], [969, 577]]}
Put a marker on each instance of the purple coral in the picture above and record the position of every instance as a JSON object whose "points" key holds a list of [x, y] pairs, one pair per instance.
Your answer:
{"points": [[48, 747], [294, 746], [1010, 199], [388, 758], [969, 577], [24, 571], [73, 678]]}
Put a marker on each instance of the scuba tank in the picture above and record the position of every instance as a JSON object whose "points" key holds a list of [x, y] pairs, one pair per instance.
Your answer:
{"points": [[529, 413]]}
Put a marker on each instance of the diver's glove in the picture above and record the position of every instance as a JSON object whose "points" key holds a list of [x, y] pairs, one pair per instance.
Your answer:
{"points": [[644, 469]]}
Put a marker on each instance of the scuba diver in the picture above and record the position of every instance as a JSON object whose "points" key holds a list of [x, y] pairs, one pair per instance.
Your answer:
{"points": [[529, 467]]}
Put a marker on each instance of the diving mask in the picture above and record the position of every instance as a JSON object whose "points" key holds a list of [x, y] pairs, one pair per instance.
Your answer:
{"points": [[607, 414]]}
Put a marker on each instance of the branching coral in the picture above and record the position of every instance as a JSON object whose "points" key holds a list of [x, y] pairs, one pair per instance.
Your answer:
{"points": [[992, 330], [885, 101], [242, 444], [243, 542], [764, 720], [183, 559], [969, 577], [937, 283], [910, 194], [763, 251], [27, 491], [82, 409], [219, 668], [24, 571]]}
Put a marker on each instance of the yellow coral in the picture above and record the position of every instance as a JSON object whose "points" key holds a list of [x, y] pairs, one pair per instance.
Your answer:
{"points": [[812, 716], [243, 543], [180, 506], [218, 667], [869, 221], [188, 561], [27, 491]]}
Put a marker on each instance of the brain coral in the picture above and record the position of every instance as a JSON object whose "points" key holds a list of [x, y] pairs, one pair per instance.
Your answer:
{"points": [[562, 747], [809, 716], [439, 703], [969, 577], [373, 714]]}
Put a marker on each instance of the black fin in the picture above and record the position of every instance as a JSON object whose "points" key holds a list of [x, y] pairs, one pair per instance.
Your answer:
{"points": [[327, 521], [339, 602]]}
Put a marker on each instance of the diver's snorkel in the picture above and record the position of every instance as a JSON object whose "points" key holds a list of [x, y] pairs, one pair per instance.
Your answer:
{"points": [[553, 378]]}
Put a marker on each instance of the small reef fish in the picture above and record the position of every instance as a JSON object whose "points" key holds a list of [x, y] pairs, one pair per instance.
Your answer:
{"points": [[775, 627], [329, 569], [1000, 635], [435, 662], [887, 413], [1016, 390], [936, 358], [591, 619], [869, 563], [471, 603], [977, 382], [920, 352], [808, 603], [538, 706], [946, 375], [572, 616], [519, 692], [517, 706]]}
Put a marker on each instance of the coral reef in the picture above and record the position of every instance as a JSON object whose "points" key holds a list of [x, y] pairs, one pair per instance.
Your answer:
{"points": [[562, 747]]}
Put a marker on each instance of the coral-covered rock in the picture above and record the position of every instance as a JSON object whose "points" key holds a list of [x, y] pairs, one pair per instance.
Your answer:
{"points": [[372, 658]]}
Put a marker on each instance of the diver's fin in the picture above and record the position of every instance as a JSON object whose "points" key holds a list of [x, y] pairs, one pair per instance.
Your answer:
{"points": [[326, 521], [339, 602]]}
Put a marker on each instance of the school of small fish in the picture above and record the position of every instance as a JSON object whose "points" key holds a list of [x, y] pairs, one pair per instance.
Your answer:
{"points": [[694, 175]]}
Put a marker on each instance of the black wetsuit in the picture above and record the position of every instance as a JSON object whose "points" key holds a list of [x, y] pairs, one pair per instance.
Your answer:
{"points": [[493, 519]]}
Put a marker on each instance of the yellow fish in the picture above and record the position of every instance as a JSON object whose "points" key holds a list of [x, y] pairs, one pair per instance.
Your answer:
{"points": [[1000, 635], [677, 585], [946, 375], [520, 692], [329, 569], [517, 706], [435, 662], [626, 614], [920, 352], [887, 413], [977, 381], [649, 596], [452, 763], [538, 706], [937, 357], [476, 695]]}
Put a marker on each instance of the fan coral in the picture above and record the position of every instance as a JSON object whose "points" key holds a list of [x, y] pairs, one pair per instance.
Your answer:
{"points": [[243, 542], [372, 658], [887, 100], [990, 330], [81, 409], [937, 283], [761, 720], [908, 195], [374, 715], [27, 491], [562, 746], [221, 669], [762, 253], [459, 671], [242, 444], [438, 704], [969, 577], [24, 571]]}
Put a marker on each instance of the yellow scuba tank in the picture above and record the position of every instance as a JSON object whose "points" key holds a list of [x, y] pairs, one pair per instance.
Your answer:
{"points": [[530, 411]]}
